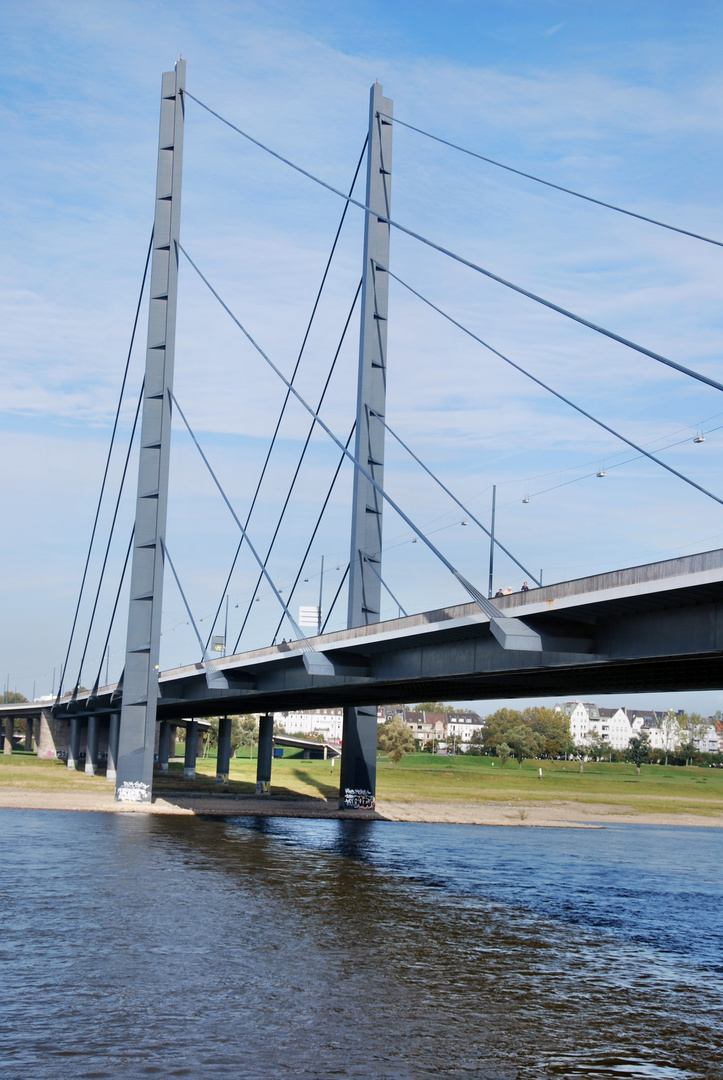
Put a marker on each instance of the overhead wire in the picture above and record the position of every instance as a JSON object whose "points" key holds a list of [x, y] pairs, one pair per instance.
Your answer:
{"points": [[336, 597], [614, 465], [556, 393], [699, 376], [455, 499]]}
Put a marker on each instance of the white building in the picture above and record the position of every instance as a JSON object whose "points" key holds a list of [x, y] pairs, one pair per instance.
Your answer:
{"points": [[616, 727], [582, 715], [327, 722], [456, 727], [463, 725], [588, 722]]}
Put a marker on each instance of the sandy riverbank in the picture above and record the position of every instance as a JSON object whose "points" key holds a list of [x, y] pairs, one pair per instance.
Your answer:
{"points": [[558, 814]]}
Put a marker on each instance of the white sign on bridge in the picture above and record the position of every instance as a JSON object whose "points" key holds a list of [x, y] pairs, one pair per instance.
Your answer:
{"points": [[309, 616]]}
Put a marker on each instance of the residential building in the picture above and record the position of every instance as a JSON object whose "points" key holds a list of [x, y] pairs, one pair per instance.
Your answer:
{"points": [[327, 722]]}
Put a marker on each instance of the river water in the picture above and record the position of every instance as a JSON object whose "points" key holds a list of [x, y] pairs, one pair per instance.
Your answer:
{"points": [[136, 946]]}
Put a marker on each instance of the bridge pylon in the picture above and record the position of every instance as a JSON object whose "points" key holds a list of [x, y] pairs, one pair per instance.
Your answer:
{"points": [[358, 769], [140, 681]]}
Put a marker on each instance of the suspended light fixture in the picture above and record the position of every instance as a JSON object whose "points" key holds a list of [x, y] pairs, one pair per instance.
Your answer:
{"points": [[699, 438], [464, 523], [602, 471], [526, 499]]}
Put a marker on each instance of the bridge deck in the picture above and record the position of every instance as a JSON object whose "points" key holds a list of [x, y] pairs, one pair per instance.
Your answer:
{"points": [[645, 628]]}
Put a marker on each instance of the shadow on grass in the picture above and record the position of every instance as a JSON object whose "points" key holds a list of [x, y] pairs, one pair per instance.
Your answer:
{"points": [[328, 791], [173, 788]]}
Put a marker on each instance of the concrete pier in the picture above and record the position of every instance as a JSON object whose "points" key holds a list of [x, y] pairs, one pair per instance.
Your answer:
{"points": [[113, 731], [164, 744], [223, 759], [91, 751], [189, 762], [266, 749], [74, 742]]}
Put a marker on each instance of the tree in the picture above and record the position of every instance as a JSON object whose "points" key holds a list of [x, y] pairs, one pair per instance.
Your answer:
{"points": [[698, 728], [433, 706], [395, 739], [244, 732], [476, 742], [669, 732], [596, 747], [504, 752], [579, 751], [553, 725], [497, 724], [693, 729], [638, 750], [10, 697], [523, 742]]}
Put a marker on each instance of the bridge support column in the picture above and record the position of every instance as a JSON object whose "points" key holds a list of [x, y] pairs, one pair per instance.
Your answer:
{"points": [[29, 733], [359, 747], [74, 742], [359, 759], [91, 746], [134, 781], [266, 751], [189, 762], [164, 744], [8, 740], [223, 760], [113, 727]]}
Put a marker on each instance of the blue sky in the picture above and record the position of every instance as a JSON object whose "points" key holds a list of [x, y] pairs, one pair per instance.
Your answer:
{"points": [[620, 101]]}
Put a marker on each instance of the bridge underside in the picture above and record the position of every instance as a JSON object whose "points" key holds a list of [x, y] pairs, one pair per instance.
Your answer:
{"points": [[652, 628]]}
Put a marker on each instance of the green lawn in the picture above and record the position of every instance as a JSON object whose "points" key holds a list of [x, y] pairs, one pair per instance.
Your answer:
{"points": [[424, 778], [658, 789]]}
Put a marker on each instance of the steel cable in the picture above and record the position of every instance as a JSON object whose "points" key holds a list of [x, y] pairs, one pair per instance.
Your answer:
{"points": [[105, 472], [557, 187], [557, 394], [288, 392], [472, 265]]}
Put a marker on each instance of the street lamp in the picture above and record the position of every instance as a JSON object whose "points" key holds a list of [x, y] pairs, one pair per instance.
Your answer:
{"points": [[492, 541], [321, 594]]}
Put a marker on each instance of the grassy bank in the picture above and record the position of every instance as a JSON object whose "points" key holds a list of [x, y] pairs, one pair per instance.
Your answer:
{"points": [[658, 789], [424, 778]]}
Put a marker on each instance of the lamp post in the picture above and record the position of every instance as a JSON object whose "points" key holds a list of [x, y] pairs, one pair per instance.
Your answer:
{"points": [[321, 594], [492, 541]]}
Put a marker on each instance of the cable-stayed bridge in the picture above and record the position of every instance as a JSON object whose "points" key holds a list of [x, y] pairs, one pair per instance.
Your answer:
{"points": [[649, 627]]}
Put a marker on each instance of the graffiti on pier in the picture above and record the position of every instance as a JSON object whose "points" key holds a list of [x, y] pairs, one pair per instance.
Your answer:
{"points": [[134, 791], [358, 799]]}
